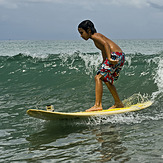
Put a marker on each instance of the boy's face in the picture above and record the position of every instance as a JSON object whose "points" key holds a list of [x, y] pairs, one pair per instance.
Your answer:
{"points": [[83, 34]]}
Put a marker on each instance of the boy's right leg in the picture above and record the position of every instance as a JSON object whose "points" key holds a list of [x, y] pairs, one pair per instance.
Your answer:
{"points": [[98, 92], [113, 91]]}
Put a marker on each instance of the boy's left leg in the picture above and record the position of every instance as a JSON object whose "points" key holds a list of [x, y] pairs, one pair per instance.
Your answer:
{"points": [[98, 93], [113, 91]]}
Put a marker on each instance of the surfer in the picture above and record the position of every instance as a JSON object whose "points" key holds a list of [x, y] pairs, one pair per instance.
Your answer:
{"points": [[113, 60]]}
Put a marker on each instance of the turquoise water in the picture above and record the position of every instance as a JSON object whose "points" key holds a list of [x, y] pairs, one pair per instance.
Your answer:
{"points": [[34, 74]]}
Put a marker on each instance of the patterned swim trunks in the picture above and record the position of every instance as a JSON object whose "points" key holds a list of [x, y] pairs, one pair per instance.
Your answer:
{"points": [[110, 71]]}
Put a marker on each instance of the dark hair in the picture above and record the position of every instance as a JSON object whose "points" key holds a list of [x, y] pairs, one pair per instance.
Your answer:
{"points": [[87, 24]]}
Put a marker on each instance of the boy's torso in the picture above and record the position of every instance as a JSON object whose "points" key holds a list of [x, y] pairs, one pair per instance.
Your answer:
{"points": [[112, 46]]}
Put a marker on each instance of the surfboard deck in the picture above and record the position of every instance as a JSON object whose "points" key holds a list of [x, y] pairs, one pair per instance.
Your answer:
{"points": [[49, 115]]}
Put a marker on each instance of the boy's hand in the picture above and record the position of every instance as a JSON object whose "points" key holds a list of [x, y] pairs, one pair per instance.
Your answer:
{"points": [[114, 62]]}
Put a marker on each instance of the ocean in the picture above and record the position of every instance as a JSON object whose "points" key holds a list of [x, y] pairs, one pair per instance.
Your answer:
{"points": [[34, 74]]}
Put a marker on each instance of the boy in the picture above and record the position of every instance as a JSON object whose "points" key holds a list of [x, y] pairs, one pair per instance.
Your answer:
{"points": [[113, 60]]}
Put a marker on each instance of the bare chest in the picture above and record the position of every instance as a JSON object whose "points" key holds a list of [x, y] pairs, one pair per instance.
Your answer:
{"points": [[99, 46]]}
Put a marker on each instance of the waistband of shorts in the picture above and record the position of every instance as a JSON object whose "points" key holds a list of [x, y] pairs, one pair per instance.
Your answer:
{"points": [[118, 53]]}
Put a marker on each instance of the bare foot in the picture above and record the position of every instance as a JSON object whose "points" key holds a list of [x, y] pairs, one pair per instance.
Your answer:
{"points": [[95, 108], [117, 106]]}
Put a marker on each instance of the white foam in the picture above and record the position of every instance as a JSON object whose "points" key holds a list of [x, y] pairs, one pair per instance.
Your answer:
{"points": [[159, 78], [91, 61], [127, 118]]}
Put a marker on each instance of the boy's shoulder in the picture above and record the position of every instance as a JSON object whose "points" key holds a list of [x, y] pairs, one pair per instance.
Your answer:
{"points": [[98, 36]]}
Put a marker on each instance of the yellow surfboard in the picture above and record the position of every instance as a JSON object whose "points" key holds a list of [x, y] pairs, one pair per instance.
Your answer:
{"points": [[49, 115]]}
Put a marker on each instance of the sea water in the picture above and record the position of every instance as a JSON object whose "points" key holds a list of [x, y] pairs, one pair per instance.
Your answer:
{"points": [[34, 74]]}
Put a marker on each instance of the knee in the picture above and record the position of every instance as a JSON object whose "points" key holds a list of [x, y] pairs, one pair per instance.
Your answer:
{"points": [[98, 77]]}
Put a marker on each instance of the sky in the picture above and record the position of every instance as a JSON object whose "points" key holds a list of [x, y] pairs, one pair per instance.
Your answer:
{"points": [[58, 19]]}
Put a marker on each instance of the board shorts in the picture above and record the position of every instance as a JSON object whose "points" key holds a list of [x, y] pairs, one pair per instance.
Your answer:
{"points": [[110, 71]]}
